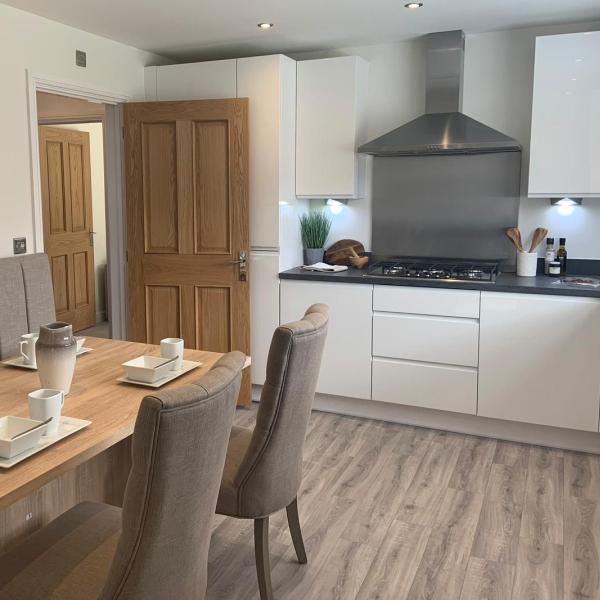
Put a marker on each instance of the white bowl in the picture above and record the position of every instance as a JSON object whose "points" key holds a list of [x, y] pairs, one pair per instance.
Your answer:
{"points": [[147, 369], [11, 426]]}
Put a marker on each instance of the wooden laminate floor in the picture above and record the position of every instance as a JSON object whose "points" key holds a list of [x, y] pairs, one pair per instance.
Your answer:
{"points": [[397, 512]]}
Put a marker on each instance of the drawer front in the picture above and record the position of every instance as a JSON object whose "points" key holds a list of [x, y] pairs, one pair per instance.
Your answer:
{"points": [[429, 339], [427, 301], [425, 385]]}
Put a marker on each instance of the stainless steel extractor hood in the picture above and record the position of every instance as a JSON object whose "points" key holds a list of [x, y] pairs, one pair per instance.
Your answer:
{"points": [[443, 129]]}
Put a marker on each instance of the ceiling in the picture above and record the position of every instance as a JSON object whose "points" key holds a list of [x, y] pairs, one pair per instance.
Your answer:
{"points": [[193, 29]]}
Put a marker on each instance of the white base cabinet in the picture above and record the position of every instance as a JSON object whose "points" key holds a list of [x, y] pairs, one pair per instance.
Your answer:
{"points": [[539, 359], [346, 365], [442, 387]]}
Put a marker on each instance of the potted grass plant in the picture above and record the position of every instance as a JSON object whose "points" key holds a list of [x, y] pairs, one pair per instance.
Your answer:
{"points": [[314, 226]]}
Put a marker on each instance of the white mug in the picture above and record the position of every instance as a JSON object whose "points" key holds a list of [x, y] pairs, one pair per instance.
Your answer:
{"points": [[171, 348], [44, 404], [27, 344]]}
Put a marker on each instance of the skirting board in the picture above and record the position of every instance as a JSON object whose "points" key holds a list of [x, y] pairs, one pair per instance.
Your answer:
{"points": [[540, 435]]}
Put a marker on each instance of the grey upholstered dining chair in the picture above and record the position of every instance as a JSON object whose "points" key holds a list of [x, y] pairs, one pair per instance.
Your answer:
{"points": [[26, 301], [263, 469], [156, 547]]}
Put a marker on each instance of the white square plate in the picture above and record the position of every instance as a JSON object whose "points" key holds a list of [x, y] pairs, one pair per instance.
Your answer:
{"points": [[67, 426], [188, 365], [17, 361]]}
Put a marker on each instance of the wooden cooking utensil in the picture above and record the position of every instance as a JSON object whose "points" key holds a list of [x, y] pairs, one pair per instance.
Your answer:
{"points": [[538, 237], [515, 236], [360, 262]]}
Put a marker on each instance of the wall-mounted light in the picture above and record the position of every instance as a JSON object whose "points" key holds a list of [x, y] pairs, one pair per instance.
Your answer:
{"points": [[265, 25], [566, 206], [565, 201], [335, 206]]}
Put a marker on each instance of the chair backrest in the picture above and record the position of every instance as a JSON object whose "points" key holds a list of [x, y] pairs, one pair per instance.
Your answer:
{"points": [[271, 470], [27, 300], [179, 448]]}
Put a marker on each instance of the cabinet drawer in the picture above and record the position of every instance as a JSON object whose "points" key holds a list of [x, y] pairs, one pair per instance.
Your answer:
{"points": [[429, 386], [426, 301], [429, 339]]}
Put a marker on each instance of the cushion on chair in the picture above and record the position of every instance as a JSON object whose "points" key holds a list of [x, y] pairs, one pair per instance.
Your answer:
{"points": [[67, 560], [13, 311]]}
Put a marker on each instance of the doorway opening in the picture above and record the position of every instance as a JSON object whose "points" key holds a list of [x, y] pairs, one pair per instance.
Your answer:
{"points": [[71, 144]]}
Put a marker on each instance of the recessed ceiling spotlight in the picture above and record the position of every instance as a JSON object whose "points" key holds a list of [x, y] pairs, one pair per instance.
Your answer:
{"points": [[413, 5], [266, 25]]}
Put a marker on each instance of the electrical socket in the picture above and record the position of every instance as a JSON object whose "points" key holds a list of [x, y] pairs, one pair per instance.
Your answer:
{"points": [[19, 245], [80, 58]]}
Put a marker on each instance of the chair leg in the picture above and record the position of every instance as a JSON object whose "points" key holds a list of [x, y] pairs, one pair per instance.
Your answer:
{"points": [[296, 531], [261, 550]]}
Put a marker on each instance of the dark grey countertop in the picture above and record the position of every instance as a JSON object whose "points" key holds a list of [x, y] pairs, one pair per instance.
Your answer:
{"points": [[506, 282]]}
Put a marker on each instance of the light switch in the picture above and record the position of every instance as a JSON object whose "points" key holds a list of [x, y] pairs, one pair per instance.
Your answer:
{"points": [[19, 245]]}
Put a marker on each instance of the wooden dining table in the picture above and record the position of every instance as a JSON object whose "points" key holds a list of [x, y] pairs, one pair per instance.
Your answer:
{"points": [[92, 464]]}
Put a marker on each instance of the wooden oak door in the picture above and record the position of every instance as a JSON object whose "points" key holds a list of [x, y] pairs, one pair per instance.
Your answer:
{"points": [[68, 228], [187, 223]]}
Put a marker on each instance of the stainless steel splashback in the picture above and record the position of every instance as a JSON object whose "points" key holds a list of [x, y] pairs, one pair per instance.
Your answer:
{"points": [[446, 206]]}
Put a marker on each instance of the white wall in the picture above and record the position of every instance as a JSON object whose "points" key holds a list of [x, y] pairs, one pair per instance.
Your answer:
{"points": [[498, 87], [98, 208], [48, 48]]}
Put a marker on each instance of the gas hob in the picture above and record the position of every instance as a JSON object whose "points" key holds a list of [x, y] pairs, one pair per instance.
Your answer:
{"points": [[443, 269]]}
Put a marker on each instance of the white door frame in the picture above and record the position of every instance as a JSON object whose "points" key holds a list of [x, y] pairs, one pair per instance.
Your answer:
{"points": [[114, 186]]}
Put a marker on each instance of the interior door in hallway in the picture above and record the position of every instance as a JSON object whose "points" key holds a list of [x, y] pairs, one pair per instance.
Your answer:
{"points": [[68, 228], [186, 173]]}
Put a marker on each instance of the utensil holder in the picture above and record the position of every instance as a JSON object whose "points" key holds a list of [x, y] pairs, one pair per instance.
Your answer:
{"points": [[527, 264]]}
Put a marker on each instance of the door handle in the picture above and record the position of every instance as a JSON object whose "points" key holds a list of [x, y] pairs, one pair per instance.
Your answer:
{"points": [[243, 259]]}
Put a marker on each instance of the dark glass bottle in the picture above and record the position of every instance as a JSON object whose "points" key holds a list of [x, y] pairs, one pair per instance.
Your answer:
{"points": [[561, 255]]}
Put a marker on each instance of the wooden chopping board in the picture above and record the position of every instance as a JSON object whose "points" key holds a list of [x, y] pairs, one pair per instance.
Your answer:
{"points": [[339, 253]]}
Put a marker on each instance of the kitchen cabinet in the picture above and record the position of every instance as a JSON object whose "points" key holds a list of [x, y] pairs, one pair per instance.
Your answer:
{"points": [[565, 124], [346, 365], [539, 359], [441, 387], [443, 340], [330, 126], [426, 301], [264, 309], [426, 347], [191, 81], [270, 84]]}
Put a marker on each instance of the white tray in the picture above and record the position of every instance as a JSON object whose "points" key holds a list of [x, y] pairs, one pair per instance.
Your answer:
{"points": [[188, 365], [66, 427], [18, 360]]}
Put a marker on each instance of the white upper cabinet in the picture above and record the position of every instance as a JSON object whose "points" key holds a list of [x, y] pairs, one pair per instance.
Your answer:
{"points": [[565, 128], [330, 125], [270, 84], [191, 81]]}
